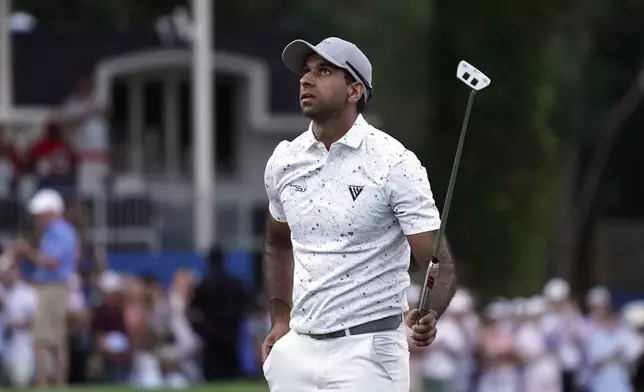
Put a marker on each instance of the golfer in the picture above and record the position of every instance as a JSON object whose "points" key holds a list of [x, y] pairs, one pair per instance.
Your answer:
{"points": [[347, 203]]}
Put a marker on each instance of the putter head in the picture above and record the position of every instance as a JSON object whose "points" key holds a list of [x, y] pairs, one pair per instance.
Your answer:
{"points": [[472, 76]]}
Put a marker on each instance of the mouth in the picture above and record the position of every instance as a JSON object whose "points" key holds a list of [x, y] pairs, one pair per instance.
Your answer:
{"points": [[306, 97]]}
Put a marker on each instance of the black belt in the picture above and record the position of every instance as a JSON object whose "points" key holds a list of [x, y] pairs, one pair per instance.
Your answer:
{"points": [[390, 323]]}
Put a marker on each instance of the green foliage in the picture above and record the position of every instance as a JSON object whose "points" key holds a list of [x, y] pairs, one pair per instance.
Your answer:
{"points": [[504, 192]]}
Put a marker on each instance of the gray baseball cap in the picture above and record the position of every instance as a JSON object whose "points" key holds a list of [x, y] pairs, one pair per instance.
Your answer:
{"points": [[341, 53]]}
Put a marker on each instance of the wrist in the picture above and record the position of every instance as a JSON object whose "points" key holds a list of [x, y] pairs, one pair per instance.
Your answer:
{"points": [[285, 321], [280, 311]]}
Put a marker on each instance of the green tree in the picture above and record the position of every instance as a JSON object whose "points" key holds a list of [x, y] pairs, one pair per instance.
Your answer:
{"points": [[601, 91], [504, 198]]}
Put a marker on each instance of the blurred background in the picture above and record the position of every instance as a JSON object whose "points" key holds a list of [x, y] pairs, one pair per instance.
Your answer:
{"points": [[155, 119]]}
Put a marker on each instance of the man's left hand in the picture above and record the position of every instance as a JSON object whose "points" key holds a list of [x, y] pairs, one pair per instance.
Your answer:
{"points": [[423, 331]]}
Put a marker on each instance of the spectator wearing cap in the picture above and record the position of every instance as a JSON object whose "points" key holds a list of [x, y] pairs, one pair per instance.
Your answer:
{"points": [[461, 311], [541, 370], [497, 359], [606, 346], [599, 303], [443, 368], [562, 323], [111, 343], [54, 263]]}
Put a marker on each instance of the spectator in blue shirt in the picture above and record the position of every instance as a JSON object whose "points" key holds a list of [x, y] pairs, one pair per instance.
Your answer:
{"points": [[54, 262]]}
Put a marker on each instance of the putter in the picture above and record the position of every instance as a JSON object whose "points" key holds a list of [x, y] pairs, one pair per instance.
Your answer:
{"points": [[476, 80]]}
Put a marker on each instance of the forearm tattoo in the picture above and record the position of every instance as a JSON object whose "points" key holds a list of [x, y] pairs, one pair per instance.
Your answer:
{"points": [[278, 275]]}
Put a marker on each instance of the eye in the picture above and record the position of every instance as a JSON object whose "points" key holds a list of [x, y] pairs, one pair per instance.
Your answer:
{"points": [[305, 70], [325, 71]]}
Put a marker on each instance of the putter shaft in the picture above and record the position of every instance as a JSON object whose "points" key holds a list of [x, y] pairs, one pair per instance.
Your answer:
{"points": [[432, 270]]}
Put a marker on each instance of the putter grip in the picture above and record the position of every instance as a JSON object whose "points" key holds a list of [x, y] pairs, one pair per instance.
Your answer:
{"points": [[428, 288]]}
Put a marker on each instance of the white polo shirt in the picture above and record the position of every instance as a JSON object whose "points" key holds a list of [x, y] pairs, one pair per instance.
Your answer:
{"points": [[349, 210], [21, 305]]}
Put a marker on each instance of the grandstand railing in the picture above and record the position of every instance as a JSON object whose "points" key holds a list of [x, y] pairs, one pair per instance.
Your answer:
{"points": [[143, 222]]}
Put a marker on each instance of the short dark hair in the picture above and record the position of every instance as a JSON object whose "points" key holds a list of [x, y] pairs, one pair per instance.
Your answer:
{"points": [[216, 257], [363, 100]]}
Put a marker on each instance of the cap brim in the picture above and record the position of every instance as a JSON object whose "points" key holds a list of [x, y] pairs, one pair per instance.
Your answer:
{"points": [[295, 54], [35, 209]]}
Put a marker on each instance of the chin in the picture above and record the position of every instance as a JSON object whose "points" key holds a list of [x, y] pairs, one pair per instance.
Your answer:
{"points": [[308, 111]]}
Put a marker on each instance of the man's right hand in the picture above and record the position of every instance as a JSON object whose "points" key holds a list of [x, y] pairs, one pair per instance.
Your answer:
{"points": [[277, 332]]}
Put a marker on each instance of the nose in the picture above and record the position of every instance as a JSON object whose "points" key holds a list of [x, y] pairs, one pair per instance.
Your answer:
{"points": [[306, 80]]}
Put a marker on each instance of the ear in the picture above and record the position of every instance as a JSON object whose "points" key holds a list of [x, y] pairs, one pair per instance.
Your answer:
{"points": [[356, 92]]}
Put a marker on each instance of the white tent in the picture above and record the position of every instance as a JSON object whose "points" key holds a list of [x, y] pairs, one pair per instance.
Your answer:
{"points": [[203, 162]]}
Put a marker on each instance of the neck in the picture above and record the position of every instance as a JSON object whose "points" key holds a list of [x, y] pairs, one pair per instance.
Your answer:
{"points": [[333, 128], [50, 218]]}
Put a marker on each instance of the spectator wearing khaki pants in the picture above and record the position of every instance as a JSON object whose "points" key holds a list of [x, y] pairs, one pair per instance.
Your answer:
{"points": [[54, 262]]}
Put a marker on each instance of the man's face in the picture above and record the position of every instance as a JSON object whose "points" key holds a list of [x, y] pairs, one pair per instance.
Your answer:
{"points": [[324, 90], [600, 311], [42, 220], [556, 305]]}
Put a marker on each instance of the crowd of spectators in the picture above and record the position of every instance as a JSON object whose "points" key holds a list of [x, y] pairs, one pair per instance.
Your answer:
{"points": [[67, 318], [69, 154], [545, 343]]}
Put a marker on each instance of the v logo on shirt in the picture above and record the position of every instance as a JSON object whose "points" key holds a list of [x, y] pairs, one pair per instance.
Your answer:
{"points": [[355, 191]]}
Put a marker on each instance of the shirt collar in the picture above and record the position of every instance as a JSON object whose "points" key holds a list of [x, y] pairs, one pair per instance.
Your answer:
{"points": [[353, 138], [54, 222]]}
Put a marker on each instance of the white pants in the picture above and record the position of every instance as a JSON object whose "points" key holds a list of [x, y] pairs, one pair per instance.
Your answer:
{"points": [[20, 363], [371, 362]]}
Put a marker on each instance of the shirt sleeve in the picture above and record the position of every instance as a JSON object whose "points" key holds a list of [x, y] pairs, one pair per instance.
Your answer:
{"points": [[411, 196], [270, 182]]}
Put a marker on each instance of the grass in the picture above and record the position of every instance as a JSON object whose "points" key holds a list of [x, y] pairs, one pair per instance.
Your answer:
{"points": [[232, 387]]}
